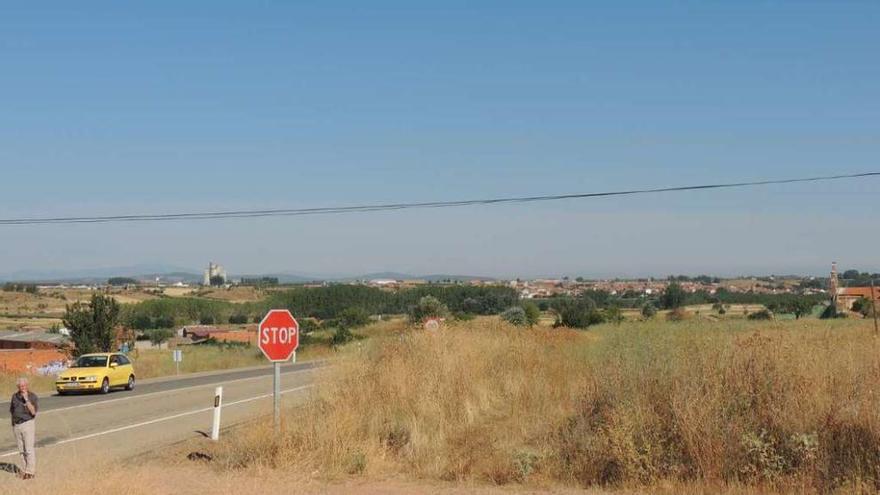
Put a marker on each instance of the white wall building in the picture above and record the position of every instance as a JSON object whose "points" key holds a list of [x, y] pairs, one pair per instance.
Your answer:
{"points": [[214, 270]]}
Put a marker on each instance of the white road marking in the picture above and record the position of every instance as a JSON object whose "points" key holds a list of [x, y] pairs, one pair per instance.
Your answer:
{"points": [[108, 401], [159, 420]]}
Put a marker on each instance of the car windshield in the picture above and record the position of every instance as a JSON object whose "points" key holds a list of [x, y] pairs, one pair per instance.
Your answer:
{"points": [[91, 362]]}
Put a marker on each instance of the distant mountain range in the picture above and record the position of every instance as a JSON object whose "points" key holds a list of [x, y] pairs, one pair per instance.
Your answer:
{"points": [[437, 277], [93, 275], [173, 274]]}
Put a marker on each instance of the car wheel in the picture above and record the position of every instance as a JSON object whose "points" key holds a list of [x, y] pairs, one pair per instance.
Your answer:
{"points": [[61, 392], [105, 386], [130, 385]]}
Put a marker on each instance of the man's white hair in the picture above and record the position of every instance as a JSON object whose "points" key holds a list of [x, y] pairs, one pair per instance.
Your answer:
{"points": [[21, 381]]}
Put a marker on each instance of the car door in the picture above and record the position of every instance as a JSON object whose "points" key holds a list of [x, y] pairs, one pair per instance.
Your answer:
{"points": [[125, 368], [116, 372]]}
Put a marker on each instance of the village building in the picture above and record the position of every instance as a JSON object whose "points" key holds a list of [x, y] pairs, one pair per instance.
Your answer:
{"points": [[845, 297], [33, 339]]}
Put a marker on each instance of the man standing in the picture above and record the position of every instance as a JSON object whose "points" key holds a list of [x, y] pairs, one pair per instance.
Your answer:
{"points": [[23, 409]]}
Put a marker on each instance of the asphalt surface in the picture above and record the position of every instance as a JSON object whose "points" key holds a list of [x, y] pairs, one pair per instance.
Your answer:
{"points": [[155, 414], [165, 384]]}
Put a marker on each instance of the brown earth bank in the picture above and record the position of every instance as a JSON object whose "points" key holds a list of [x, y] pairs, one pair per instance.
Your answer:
{"points": [[193, 478]]}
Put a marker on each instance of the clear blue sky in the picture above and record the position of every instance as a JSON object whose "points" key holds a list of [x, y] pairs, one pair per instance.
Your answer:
{"points": [[114, 107]]}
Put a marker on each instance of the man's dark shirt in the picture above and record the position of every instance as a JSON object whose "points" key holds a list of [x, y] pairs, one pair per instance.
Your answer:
{"points": [[19, 411]]}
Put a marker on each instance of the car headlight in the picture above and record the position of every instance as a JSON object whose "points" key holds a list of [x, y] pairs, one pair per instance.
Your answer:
{"points": [[92, 378]]}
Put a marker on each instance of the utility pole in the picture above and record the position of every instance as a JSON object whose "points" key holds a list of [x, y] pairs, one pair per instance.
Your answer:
{"points": [[874, 307]]}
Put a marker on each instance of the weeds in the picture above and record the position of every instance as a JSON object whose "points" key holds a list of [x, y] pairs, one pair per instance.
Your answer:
{"points": [[779, 405]]}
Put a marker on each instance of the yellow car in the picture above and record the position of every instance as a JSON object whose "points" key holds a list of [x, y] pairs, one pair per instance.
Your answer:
{"points": [[97, 372]]}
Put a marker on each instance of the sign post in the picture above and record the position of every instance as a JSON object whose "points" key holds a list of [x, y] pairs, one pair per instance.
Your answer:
{"points": [[278, 338]]}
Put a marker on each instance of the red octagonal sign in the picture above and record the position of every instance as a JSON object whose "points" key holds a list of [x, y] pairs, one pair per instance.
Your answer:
{"points": [[278, 335]]}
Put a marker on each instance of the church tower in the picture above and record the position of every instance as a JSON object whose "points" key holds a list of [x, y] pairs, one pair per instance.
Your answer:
{"points": [[834, 283]]}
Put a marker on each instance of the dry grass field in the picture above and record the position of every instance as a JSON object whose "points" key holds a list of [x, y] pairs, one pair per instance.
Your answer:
{"points": [[178, 291], [21, 309], [689, 407], [232, 294]]}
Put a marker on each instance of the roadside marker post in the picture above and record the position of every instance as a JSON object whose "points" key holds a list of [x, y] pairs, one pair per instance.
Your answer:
{"points": [[278, 338], [178, 357], [218, 404]]}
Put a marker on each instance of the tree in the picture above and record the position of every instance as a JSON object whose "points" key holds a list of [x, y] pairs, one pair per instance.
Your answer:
{"points": [[578, 313], [159, 336], [515, 315], [428, 307], [206, 320], [217, 281], [92, 326], [648, 310], [141, 322], [471, 305], [354, 317], [673, 297], [799, 307], [831, 312], [533, 313], [164, 322], [863, 305], [238, 319]]}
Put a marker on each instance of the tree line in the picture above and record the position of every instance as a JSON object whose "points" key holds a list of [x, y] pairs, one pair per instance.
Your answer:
{"points": [[20, 287], [322, 303]]}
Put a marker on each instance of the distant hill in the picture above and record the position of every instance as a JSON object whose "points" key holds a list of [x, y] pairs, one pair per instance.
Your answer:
{"points": [[454, 278], [100, 275], [173, 274], [381, 276], [407, 276]]}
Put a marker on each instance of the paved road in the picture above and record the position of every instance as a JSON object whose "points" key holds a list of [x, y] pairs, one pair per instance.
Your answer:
{"points": [[156, 413]]}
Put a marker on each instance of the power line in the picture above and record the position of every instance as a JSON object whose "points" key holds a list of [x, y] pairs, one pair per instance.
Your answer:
{"points": [[405, 206]]}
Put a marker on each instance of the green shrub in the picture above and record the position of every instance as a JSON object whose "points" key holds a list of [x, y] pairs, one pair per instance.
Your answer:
{"points": [[614, 315], [578, 313], [308, 325], [427, 307], [342, 336], [533, 313], [460, 316], [515, 316], [238, 319], [354, 317], [763, 314]]}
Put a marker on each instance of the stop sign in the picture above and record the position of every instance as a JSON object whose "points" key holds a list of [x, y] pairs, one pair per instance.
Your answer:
{"points": [[278, 335]]}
